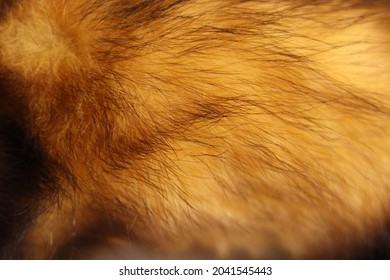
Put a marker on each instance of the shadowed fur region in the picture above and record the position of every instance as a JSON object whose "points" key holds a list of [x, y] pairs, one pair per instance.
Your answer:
{"points": [[187, 129]]}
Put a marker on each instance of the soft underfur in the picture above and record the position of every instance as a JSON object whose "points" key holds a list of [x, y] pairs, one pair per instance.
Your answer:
{"points": [[194, 128]]}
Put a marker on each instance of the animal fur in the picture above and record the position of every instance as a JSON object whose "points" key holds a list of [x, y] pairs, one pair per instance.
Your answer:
{"points": [[194, 128]]}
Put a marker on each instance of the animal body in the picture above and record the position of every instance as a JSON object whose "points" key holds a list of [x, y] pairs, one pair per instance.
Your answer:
{"points": [[194, 129]]}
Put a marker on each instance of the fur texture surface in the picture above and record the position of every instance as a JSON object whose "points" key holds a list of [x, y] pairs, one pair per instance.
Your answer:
{"points": [[194, 128]]}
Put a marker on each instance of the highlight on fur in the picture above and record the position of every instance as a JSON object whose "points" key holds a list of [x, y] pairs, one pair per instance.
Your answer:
{"points": [[194, 129]]}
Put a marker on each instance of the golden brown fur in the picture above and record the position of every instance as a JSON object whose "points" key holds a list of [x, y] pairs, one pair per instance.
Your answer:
{"points": [[201, 128]]}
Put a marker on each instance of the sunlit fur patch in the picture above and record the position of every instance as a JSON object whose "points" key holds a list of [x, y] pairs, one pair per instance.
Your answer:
{"points": [[41, 38], [211, 128]]}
